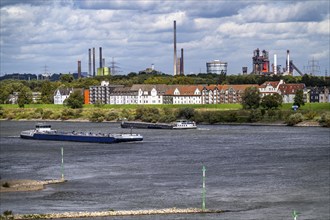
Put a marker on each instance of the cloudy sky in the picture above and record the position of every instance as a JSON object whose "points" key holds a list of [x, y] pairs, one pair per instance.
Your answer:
{"points": [[138, 33]]}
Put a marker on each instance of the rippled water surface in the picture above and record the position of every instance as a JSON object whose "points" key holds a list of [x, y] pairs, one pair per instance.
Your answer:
{"points": [[254, 172]]}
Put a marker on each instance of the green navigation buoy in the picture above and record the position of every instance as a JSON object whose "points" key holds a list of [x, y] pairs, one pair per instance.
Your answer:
{"points": [[62, 164], [204, 190]]}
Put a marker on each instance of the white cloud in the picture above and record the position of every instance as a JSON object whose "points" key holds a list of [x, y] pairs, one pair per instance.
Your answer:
{"points": [[138, 33]]}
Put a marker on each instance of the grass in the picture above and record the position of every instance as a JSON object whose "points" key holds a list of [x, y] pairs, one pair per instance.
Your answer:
{"points": [[309, 106]]}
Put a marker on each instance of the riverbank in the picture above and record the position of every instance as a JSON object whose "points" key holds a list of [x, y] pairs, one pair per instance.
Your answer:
{"points": [[201, 114], [168, 211], [26, 185]]}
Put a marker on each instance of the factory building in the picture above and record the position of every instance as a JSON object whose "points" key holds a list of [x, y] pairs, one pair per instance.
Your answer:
{"points": [[217, 67], [178, 64], [260, 62]]}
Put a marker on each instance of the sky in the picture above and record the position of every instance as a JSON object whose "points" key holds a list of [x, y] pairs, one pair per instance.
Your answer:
{"points": [[50, 36]]}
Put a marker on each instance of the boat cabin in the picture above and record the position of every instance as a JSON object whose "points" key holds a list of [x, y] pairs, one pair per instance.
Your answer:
{"points": [[43, 127]]}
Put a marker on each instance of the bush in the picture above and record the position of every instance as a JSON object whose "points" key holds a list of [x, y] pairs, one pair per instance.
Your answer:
{"points": [[255, 115], [325, 120], [232, 117], [6, 184], [47, 114], [310, 115], [186, 113], [68, 113], [97, 116], [111, 116], [294, 119]]}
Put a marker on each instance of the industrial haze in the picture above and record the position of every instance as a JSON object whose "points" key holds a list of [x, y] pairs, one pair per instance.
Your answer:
{"points": [[51, 36]]}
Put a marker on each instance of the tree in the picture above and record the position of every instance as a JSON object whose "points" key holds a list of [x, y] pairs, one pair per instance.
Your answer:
{"points": [[299, 98], [75, 100], [24, 96], [47, 92], [251, 98], [187, 113], [271, 101], [66, 78]]}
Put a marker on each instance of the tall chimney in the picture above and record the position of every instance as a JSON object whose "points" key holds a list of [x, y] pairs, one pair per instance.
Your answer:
{"points": [[93, 62], [181, 63], [103, 62], [275, 64], [79, 69], [288, 61], [175, 58], [101, 57], [89, 62]]}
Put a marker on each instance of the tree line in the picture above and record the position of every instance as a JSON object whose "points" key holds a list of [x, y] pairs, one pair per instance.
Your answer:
{"points": [[47, 88]]}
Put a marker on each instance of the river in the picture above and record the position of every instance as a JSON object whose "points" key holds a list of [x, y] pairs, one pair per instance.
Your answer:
{"points": [[253, 172]]}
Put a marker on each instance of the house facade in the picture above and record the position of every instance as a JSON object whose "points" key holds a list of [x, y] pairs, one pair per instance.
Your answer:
{"points": [[123, 96], [197, 94], [288, 91], [216, 94], [61, 94], [183, 94]]}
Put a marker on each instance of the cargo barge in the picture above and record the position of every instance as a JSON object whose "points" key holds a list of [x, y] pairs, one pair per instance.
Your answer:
{"points": [[180, 124], [44, 132]]}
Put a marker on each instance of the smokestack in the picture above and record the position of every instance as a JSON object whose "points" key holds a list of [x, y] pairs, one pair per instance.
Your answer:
{"points": [[103, 62], [275, 64], [89, 62], [101, 57], [181, 63], [288, 61], [175, 58], [93, 61], [79, 69]]}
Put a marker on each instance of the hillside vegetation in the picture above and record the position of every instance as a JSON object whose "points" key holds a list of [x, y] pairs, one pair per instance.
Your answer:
{"points": [[210, 114]]}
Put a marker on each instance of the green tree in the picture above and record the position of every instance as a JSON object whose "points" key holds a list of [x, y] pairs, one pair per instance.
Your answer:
{"points": [[271, 101], [47, 92], [186, 113], [66, 78], [75, 100], [24, 96], [251, 98], [299, 98]]}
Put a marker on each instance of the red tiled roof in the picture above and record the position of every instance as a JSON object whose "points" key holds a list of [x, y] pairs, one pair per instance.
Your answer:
{"points": [[286, 89]]}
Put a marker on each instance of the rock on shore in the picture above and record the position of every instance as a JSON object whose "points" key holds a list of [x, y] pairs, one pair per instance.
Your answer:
{"points": [[115, 213]]}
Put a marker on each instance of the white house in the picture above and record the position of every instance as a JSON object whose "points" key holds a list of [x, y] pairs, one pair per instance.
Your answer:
{"points": [[269, 88], [123, 96], [150, 94], [184, 94], [61, 94]]}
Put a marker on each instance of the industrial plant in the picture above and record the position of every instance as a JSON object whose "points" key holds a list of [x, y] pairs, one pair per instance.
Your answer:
{"points": [[261, 65]]}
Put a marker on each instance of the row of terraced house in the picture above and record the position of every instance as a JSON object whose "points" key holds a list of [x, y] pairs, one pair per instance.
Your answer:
{"points": [[191, 94]]}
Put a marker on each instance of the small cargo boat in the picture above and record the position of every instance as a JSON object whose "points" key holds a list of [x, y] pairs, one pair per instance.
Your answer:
{"points": [[180, 124], [45, 132]]}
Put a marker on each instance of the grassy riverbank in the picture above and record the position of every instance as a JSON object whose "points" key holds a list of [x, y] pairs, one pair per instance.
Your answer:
{"points": [[209, 114]]}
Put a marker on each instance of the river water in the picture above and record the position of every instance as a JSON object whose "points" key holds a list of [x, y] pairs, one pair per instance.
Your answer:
{"points": [[253, 172]]}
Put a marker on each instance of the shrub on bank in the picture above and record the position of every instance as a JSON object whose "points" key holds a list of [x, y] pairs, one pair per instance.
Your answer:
{"points": [[69, 113], [325, 120], [111, 116], [97, 116], [310, 115], [255, 115], [294, 119]]}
